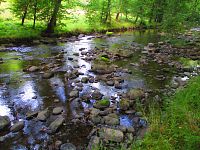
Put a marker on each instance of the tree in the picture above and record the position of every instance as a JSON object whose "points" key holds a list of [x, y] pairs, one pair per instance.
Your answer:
{"points": [[20, 9], [52, 23]]}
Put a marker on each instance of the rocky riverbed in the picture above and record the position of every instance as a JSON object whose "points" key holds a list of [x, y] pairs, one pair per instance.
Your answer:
{"points": [[84, 91]]}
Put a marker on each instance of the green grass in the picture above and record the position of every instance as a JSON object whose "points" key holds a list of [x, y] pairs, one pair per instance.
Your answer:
{"points": [[177, 127], [13, 29]]}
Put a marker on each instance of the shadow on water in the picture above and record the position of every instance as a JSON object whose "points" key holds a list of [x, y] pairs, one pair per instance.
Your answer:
{"points": [[21, 92]]}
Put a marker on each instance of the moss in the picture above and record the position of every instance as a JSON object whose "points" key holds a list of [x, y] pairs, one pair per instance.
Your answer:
{"points": [[104, 102]]}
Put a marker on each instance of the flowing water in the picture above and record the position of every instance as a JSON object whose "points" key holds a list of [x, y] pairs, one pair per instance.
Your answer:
{"points": [[21, 92]]}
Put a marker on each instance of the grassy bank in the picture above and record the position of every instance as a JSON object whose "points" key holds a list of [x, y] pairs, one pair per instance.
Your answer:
{"points": [[14, 29], [176, 127]]}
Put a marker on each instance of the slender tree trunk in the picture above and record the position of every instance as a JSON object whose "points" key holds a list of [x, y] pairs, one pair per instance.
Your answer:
{"points": [[35, 14], [24, 14], [117, 16], [108, 16], [136, 19], [51, 25]]}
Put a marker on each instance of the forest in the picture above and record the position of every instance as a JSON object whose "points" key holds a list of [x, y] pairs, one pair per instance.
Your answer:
{"points": [[62, 16], [99, 74]]}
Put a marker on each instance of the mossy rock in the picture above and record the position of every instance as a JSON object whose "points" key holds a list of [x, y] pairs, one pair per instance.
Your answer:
{"points": [[104, 103], [135, 94], [124, 104], [109, 33]]}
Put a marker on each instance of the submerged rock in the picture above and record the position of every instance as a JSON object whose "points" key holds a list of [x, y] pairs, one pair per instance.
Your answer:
{"points": [[4, 122], [17, 126]]}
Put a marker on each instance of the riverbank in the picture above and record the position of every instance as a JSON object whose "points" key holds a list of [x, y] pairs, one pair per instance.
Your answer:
{"points": [[177, 125]]}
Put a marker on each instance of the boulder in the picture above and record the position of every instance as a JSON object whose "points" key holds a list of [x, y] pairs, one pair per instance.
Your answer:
{"points": [[17, 126], [4, 122], [124, 104], [104, 103], [97, 95], [111, 119], [112, 135], [56, 124], [135, 93]]}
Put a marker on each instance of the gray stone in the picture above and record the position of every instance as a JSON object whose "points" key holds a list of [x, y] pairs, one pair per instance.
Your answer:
{"points": [[17, 126], [48, 75], [111, 119], [57, 110], [109, 134], [74, 94], [43, 115], [4, 122], [96, 119], [97, 95], [130, 130], [84, 80], [30, 115], [56, 124], [33, 68], [110, 83], [67, 146], [94, 112]]}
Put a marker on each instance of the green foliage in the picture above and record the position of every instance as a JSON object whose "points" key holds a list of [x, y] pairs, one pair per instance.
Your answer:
{"points": [[178, 126], [101, 15]]}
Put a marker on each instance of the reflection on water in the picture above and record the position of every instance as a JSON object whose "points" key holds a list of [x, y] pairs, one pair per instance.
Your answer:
{"points": [[28, 96], [125, 121], [59, 87]]}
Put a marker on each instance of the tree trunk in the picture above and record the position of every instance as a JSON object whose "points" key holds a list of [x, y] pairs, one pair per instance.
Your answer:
{"points": [[24, 14], [35, 14], [136, 19], [51, 25], [117, 16]]}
